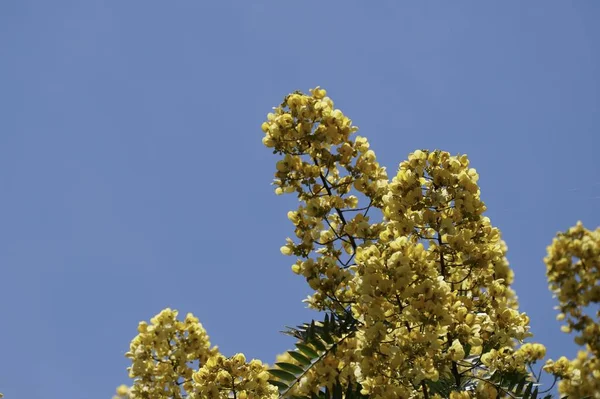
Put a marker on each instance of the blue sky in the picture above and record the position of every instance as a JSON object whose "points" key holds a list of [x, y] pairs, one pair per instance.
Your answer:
{"points": [[133, 175]]}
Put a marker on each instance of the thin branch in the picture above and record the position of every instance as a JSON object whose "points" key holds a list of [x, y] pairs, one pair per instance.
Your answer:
{"points": [[338, 211], [425, 393]]}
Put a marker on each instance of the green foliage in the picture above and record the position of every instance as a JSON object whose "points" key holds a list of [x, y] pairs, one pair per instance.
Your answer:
{"points": [[316, 340], [516, 385]]}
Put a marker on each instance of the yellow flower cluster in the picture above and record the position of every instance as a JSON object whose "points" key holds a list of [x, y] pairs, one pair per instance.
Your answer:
{"points": [[573, 270], [326, 169], [425, 281], [579, 378], [173, 359], [429, 284], [222, 377], [162, 354], [509, 360], [437, 279]]}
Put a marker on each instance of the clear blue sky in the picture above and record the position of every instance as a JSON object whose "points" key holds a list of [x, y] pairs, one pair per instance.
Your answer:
{"points": [[133, 176]]}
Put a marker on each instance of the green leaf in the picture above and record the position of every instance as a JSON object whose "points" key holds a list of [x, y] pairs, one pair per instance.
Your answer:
{"points": [[353, 392], [520, 387], [328, 325], [535, 393], [311, 331], [495, 377], [282, 386], [307, 350], [511, 385], [292, 368], [337, 391], [318, 344], [327, 338], [467, 349], [334, 349], [284, 375], [300, 358]]}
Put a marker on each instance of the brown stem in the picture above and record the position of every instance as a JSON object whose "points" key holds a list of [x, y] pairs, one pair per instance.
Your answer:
{"points": [[338, 211], [425, 392], [442, 260], [456, 374]]}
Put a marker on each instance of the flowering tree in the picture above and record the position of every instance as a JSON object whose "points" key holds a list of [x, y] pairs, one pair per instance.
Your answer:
{"points": [[410, 276]]}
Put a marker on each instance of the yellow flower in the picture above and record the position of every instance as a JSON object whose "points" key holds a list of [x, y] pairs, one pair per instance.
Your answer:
{"points": [[122, 390], [318, 93], [456, 351]]}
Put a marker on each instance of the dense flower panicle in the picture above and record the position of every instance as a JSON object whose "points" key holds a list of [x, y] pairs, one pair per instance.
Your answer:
{"points": [[163, 354], [573, 270], [326, 169], [173, 359], [425, 282], [430, 284], [508, 360], [221, 377], [437, 280]]}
